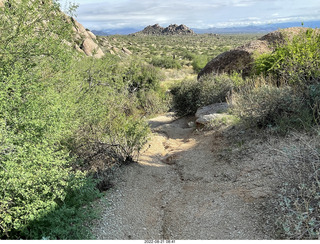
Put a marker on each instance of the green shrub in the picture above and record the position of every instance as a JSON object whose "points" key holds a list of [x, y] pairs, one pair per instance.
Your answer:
{"points": [[141, 76], [297, 205], [187, 55], [166, 62], [109, 119], [295, 63], [269, 106], [127, 135], [192, 94], [154, 102], [54, 103], [198, 62]]}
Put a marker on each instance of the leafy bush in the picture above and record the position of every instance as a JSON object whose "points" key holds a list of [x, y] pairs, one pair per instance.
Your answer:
{"points": [[269, 106], [141, 76], [54, 103], [166, 62], [198, 62], [192, 94], [295, 63], [154, 102], [108, 113]]}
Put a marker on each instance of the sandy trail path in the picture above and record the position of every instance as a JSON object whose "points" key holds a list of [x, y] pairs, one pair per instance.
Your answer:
{"points": [[183, 189]]}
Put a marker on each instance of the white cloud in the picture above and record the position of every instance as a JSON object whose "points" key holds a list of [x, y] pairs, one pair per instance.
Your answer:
{"points": [[197, 14]]}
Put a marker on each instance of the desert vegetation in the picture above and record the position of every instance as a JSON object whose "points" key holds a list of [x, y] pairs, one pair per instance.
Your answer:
{"points": [[281, 96], [60, 110], [66, 119]]}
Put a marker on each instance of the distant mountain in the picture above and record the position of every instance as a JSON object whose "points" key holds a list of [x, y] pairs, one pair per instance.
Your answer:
{"points": [[170, 30], [158, 30], [151, 30], [122, 31], [100, 33], [258, 28]]}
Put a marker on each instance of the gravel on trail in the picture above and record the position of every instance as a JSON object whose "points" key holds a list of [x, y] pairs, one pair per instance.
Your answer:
{"points": [[185, 188]]}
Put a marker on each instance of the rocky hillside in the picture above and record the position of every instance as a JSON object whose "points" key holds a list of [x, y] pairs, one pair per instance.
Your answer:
{"points": [[170, 30], [241, 58], [83, 40]]}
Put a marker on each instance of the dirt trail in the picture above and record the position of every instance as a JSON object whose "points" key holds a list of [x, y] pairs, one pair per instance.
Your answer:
{"points": [[182, 188]]}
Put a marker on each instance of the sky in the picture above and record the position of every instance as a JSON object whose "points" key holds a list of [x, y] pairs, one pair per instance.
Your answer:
{"points": [[117, 14]]}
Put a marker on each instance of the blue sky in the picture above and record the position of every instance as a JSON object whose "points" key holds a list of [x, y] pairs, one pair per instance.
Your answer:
{"points": [[113, 14]]}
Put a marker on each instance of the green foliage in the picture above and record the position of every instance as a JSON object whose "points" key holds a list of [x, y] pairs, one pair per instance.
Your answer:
{"points": [[198, 62], [54, 102], [108, 109], [166, 62], [36, 173], [70, 219], [142, 76], [154, 102], [22, 43], [192, 94], [271, 107], [295, 63]]}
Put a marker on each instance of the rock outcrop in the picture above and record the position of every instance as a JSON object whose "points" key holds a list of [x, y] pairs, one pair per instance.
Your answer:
{"points": [[85, 40], [110, 45], [152, 30], [126, 51], [177, 30], [170, 30], [241, 58]]}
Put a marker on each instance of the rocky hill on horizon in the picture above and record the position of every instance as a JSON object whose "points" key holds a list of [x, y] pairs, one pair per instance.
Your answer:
{"points": [[173, 29]]}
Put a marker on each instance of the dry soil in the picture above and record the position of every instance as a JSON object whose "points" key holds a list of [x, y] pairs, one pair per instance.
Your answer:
{"points": [[188, 185]]}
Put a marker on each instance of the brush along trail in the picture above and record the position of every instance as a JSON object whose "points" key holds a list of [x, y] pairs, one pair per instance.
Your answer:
{"points": [[183, 187]]}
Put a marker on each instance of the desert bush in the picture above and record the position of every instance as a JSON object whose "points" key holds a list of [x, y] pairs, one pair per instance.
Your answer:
{"points": [[166, 62], [294, 63], [53, 100], [198, 62], [190, 95], [297, 205], [268, 106], [108, 113], [143, 77], [154, 102]]}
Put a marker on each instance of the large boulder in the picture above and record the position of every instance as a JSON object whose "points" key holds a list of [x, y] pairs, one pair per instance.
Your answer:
{"points": [[126, 51], [207, 114], [241, 58], [90, 48], [86, 40]]}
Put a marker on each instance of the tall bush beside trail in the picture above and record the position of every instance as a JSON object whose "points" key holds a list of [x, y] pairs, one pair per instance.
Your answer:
{"points": [[107, 111], [52, 101], [143, 82], [269, 106], [154, 102], [296, 63], [192, 94], [142, 76], [36, 176]]}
